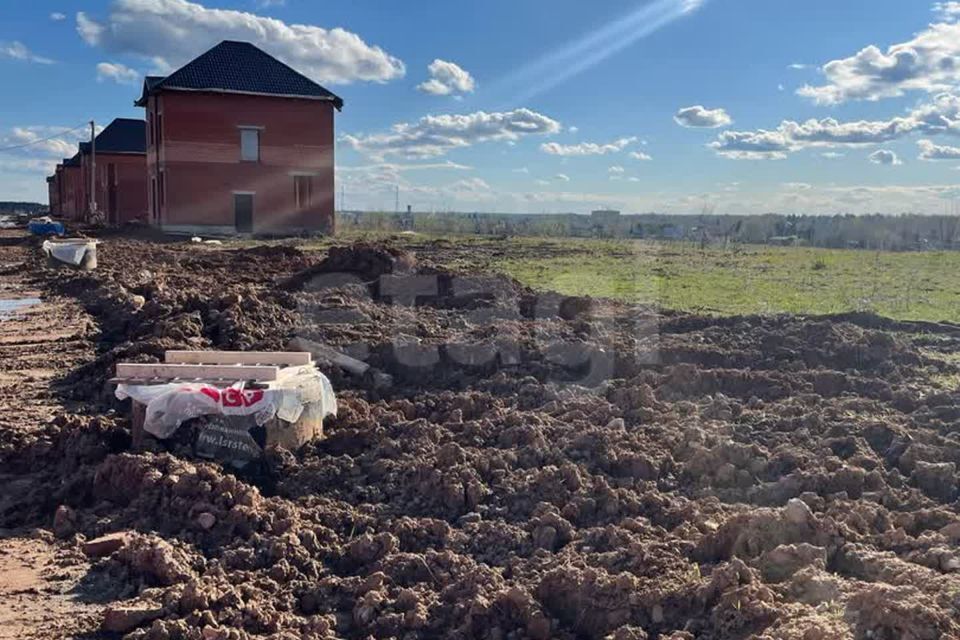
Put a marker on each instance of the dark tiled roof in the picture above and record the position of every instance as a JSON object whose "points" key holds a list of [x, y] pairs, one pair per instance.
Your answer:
{"points": [[72, 162], [123, 135], [238, 67]]}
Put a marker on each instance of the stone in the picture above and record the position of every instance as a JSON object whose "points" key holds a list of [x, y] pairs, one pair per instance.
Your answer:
{"points": [[124, 618], [797, 512], [64, 522], [105, 545], [206, 520]]}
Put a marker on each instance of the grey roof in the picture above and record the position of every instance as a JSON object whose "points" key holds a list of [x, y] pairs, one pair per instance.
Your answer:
{"points": [[238, 67], [72, 162], [123, 135]]}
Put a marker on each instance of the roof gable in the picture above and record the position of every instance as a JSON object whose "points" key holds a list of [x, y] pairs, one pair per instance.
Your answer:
{"points": [[239, 67], [123, 135]]}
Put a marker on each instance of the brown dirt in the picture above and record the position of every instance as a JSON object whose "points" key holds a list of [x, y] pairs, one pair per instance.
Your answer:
{"points": [[540, 467]]}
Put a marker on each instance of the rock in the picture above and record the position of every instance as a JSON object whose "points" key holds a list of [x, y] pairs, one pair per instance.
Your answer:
{"points": [[124, 618], [469, 518], [64, 522], [797, 512], [616, 423], [206, 520], [105, 545]]}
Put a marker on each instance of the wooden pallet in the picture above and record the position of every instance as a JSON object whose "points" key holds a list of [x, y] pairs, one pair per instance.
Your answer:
{"points": [[216, 367]]}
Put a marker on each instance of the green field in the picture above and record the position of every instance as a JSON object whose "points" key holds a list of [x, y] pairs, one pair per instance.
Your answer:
{"points": [[753, 279], [742, 279]]}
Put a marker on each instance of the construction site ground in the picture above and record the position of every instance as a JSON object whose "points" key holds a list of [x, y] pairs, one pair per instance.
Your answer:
{"points": [[516, 463]]}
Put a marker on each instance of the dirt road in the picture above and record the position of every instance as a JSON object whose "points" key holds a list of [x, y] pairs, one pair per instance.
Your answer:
{"points": [[539, 467], [40, 341]]}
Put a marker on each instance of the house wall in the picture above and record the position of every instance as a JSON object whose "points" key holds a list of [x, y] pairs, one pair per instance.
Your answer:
{"points": [[130, 184], [74, 195], [53, 198], [195, 169]]}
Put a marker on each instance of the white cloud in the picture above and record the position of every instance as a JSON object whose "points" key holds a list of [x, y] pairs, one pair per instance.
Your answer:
{"points": [[616, 169], [119, 73], [56, 16], [586, 148], [929, 62], [447, 78], [832, 155], [561, 177], [19, 51], [435, 135], [947, 10], [573, 129], [43, 140], [798, 66], [698, 116], [884, 157], [931, 151], [172, 32], [640, 155], [941, 115]]}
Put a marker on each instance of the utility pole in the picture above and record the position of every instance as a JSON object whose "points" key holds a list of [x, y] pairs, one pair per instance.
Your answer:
{"points": [[93, 170]]}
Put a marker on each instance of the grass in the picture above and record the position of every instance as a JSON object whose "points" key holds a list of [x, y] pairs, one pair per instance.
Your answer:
{"points": [[751, 279], [743, 279]]}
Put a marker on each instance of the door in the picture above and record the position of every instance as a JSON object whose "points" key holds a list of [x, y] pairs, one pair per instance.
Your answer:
{"points": [[243, 212], [112, 193]]}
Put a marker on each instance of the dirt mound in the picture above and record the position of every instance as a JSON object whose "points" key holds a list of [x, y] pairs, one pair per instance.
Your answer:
{"points": [[365, 262], [540, 467]]}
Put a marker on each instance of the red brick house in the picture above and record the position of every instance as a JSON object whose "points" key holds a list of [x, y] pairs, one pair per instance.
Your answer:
{"points": [[71, 194], [121, 171], [238, 142]]}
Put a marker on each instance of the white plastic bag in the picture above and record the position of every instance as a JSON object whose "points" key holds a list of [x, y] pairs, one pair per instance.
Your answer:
{"points": [[170, 405]]}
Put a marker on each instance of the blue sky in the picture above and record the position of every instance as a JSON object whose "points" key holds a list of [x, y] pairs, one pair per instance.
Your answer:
{"points": [[736, 106]]}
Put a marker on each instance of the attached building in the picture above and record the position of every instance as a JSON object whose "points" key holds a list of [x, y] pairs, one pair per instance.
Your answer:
{"points": [[121, 171], [238, 142], [72, 195]]}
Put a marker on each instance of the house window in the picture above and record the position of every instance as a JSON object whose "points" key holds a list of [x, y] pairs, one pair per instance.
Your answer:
{"points": [[301, 190], [250, 145], [163, 184]]}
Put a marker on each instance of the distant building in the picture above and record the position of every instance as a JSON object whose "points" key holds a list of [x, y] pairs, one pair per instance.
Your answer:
{"points": [[238, 142], [70, 191], [121, 171]]}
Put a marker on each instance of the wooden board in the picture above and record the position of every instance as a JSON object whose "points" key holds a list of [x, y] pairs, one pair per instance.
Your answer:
{"points": [[277, 358], [261, 373]]}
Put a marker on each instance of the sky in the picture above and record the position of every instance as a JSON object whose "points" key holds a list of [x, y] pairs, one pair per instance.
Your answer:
{"points": [[673, 106]]}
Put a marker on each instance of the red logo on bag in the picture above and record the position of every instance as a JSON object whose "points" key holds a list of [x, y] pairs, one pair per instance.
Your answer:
{"points": [[237, 398], [233, 397]]}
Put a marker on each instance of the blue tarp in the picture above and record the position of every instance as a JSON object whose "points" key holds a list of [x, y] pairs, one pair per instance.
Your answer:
{"points": [[45, 227]]}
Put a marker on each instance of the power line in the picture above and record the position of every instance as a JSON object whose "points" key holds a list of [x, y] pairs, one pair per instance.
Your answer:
{"points": [[56, 135]]}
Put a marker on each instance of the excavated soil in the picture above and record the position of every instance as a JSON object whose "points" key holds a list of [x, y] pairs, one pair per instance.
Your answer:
{"points": [[514, 465]]}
